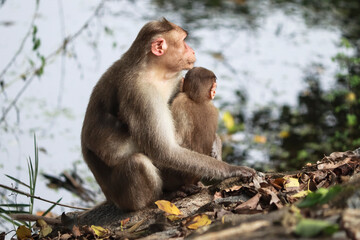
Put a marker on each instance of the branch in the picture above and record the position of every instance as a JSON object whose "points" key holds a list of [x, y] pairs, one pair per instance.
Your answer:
{"points": [[33, 71], [33, 218], [39, 198], [22, 42]]}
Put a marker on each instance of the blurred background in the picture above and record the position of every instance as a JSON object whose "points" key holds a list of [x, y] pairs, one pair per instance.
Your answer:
{"points": [[288, 80]]}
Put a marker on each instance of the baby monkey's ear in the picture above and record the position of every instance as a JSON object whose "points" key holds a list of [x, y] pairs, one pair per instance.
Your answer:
{"points": [[213, 91]]}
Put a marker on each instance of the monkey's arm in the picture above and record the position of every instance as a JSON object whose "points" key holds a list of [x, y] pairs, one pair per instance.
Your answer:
{"points": [[156, 139]]}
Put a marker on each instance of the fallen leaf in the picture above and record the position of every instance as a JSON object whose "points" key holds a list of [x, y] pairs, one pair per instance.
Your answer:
{"points": [[45, 229], [100, 231], [301, 194], [274, 198], [65, 236], [123, 223], [291, 182], [250, 204], [217, 195], [173, 217], [23, 232], [311, 228], [233, 188], [168, 207], [198, 221], [49, 214], [76, 231]]}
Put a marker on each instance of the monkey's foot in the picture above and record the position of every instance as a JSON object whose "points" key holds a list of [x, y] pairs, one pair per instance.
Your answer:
{"points": [[184, 191]]}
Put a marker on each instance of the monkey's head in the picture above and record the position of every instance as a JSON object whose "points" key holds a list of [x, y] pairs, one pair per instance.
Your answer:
{"points": [[200, 84], [162, 43]]}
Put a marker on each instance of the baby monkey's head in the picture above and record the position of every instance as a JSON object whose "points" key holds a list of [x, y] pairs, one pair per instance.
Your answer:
{"points": [[200, 84]]}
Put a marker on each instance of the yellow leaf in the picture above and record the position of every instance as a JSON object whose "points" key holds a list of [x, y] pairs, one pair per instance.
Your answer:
{"points": [[45, 229], [229, 121], [199, 221], [284, 134], [23, 232], [291, 182], [350, 97], [260, 139], [301, 194], [168, 207], [99, 231], [173, 217]]}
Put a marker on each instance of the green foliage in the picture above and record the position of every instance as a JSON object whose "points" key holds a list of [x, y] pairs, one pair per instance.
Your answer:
{"points": [[15, 208], [321, 196], [310, 228], [323, 121]]}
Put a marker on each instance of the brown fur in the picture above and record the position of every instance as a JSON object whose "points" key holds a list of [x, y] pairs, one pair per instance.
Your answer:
{"points": [[128, 132], [196, 119], [194, 114]]}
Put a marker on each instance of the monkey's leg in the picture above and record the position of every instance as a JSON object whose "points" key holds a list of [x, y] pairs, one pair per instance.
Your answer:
{"points": [[135, 183]]}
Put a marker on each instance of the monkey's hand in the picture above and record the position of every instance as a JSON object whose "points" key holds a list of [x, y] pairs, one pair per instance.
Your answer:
{"points": [[245, 173]]}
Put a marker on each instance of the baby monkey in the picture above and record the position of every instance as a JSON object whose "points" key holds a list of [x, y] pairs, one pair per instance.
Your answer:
{"points": [[195, 119]]}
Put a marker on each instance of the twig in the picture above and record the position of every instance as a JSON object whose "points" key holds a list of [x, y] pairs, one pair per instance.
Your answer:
{"points": [[39, 198], [22, 42], [32, 218], [32, 72]]}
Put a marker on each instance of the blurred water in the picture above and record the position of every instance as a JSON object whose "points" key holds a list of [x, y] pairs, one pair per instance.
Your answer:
{"points": [[268, 61]]}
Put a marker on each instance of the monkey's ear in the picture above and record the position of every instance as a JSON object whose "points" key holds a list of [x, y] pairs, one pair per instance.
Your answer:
{"points": [[159, 46], [213, 91]]}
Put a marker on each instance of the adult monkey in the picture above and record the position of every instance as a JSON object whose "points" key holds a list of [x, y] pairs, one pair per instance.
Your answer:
{"points": [[128, 132]]}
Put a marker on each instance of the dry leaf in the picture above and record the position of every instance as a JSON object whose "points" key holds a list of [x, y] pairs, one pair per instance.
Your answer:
{"points": [[233, 188], [301, 194], [124, 222], [249, 204], [291, 182], [23, 232], [173, 217], [65, 236], [217, 195], [199, 221], [168, 207], [99, 231], [76, 231], [49, 214], [45, 229]]}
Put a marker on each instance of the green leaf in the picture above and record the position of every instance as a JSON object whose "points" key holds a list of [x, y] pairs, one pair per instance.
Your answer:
{"points": [[18, 181], [108, 31], [37, 43], [34, 30], [15, 205], [311, 228], [321, 196], [354, 80], [50, 208], [351, 120], [345, 43]]}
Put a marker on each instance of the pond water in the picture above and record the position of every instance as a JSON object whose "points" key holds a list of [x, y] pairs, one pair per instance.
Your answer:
{"points": [[264, 51]]}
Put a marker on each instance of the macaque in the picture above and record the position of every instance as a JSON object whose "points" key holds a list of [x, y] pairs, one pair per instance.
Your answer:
{"points": [[194, 114], [196, 120], [128, 133]]}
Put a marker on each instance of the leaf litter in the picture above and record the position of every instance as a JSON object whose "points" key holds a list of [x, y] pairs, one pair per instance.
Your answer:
{"points": [[310, 203]]}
